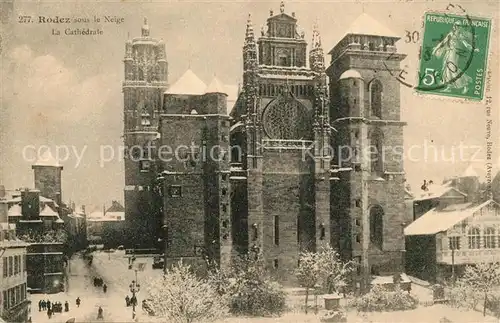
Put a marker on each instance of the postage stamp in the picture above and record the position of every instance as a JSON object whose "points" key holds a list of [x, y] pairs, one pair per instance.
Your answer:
{"points": [[454, 56]]}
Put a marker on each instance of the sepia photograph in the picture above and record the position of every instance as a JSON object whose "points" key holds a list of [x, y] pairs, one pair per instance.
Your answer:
{"points": [[251, 161]]}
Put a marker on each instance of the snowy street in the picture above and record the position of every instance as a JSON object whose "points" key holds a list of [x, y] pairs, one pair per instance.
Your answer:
{"points": [[113, 268]]}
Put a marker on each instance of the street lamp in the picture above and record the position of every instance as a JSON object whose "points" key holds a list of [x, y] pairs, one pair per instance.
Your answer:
{"points": [[134, 288]]}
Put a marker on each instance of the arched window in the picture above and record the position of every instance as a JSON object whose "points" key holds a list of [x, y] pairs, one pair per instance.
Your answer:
{"points": [[474, 236], [376, 153], [489, 237], [375, 88], [377, 225]]}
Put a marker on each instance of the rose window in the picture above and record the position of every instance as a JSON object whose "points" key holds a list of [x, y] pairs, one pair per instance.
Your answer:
{"points": [[286, 118]]}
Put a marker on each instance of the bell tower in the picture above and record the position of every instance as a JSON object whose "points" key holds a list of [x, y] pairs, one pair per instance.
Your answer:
{"points": [[367, 202], [146, 72]]}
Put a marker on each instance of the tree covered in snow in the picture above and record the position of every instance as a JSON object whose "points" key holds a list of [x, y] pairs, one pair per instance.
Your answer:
{"points": [[182, 297], [324, 269]]}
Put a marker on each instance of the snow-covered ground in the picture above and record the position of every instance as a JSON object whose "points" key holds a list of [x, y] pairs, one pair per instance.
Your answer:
{"points": [[113, 268]]}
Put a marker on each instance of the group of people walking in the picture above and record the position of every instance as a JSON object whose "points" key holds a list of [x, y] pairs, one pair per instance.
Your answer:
{"points": [[99, 282], [54, 307]]}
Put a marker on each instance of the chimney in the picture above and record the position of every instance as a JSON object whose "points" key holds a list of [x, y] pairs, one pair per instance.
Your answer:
{"points": [[30, 204], [2, 191], [4, 209], [58, 198], [83, 209]]}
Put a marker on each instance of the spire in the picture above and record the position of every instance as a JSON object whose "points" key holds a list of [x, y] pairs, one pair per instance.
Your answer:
{"points": [[316, 55], [250, 47], [145, 28], [316, 41], [282, 7], [249, 32]]}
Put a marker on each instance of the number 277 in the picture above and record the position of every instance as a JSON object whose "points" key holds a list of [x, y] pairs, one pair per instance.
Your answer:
{"points": [[24, 19]]}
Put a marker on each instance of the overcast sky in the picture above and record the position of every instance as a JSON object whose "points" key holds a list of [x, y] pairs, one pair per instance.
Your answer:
{"points": [[66, 90]]}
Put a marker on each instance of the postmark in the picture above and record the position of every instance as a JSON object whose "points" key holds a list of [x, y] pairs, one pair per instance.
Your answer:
{"points": [[454, 56]]}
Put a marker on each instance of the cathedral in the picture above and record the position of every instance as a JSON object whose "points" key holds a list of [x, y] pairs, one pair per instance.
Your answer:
{"points": [[306, 155]]}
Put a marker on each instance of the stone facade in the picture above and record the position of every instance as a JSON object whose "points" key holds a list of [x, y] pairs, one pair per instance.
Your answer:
{"points": [[284, 189], [145, 81], [281, 123], [368, 206]]}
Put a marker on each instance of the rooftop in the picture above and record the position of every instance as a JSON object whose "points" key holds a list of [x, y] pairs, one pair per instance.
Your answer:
{"points": [[438, 220], [188, 84], [366, 25], [46, 159]]}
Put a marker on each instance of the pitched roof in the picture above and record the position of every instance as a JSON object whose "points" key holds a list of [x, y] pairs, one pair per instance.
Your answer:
{"points": [[188, 84], [366, 25], [437, 220], [436, 191], [215, 86], [471, 171], [15, 210], [46, 159], [232, 96], [115, 207], [47, 211]]}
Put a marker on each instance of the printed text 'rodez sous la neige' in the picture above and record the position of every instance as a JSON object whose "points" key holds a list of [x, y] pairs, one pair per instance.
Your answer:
{"points": [[56, 22]]}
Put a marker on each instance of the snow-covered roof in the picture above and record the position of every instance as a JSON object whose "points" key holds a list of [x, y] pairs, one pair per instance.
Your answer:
{"points": [[435, 220], [470, 172], [15, 210], [47, 211], [350, 74], [95, 215], [366, 25], [232, 96], [188, 84], [215, 86], [436, 191], [46, 159], [115, 215], [285, 76]]}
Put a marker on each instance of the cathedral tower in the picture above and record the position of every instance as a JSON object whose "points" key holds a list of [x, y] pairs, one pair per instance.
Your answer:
{"points": [[145, 82], [279, 181], [367, 202]]}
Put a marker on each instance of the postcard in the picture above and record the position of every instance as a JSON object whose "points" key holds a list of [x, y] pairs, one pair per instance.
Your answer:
{"points": [[249, 161]]}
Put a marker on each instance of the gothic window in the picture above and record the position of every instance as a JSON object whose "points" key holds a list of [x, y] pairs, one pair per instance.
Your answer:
{"points": [[454, 243], [375, 88], [376, 152], [489, 238], [286, 118], [141, 74], [276, 230], [474, 235], [284, 61], [377, 225]]}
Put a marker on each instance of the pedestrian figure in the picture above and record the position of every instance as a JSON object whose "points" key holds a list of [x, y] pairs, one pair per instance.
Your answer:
{"points": [[66, 306], [133, 301], [48, 305], [127, 301], [105, 288], [39, 305], [99, 313], [78, 301], [44, 305], [49, 313]]}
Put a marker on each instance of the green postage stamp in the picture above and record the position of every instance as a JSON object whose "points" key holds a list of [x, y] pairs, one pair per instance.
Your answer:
{"points": [[453, 56]]}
